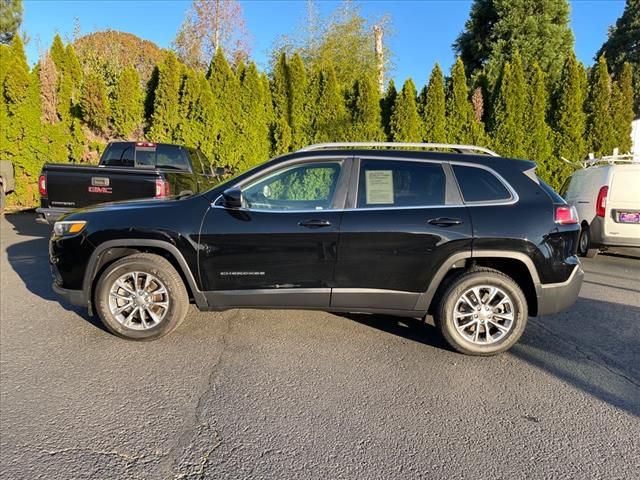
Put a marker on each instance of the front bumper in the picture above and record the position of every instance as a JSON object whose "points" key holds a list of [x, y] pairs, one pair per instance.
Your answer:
{"points": [[556, 297], [50, 215]]}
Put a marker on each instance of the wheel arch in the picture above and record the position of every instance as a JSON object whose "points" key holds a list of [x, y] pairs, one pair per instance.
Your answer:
{"points": [[516, 265], [108, 252]]}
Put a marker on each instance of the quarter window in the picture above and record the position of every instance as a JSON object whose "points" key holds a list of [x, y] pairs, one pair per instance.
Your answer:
{"points": [[397, 183], [303, 187], [480, 185]]}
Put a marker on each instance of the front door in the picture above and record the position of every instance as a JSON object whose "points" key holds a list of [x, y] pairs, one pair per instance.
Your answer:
{"points": [[280, 248], [405, 218]]}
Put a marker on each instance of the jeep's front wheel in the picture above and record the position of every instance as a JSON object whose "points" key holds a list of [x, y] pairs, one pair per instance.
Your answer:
{"points": [[483, 312], [141, 297]]}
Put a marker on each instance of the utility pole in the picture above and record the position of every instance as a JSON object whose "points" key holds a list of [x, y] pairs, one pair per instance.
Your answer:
{"points": [[377, 33]]}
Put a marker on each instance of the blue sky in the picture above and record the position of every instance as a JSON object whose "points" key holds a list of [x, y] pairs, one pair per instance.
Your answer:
{"points": [[423, 31]]}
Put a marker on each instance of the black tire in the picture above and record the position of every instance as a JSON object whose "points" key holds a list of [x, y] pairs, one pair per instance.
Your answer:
{"points": [[585, 248], [178, 299], [444, 313]]}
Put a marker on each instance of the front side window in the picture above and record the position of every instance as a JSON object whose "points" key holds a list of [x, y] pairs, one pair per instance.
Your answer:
{"points": [[480, 185], [302, 187], [398, 183]]}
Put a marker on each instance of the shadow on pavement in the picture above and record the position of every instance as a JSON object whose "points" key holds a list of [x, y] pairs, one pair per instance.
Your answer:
{"points": [[30, 260], [592, 347]]}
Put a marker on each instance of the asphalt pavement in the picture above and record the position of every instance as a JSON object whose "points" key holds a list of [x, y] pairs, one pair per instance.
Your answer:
{"points": [[306, 395]]}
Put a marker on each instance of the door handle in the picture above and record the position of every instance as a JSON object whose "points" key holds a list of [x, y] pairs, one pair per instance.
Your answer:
{"points": [[445, 222], [315, 223]]}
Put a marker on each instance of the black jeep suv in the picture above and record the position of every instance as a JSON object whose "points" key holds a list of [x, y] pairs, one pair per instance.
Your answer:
{"points": [[476, 240]]}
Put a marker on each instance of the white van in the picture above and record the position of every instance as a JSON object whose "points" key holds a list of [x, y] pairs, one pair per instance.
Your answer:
{"points": [[607, 198]]}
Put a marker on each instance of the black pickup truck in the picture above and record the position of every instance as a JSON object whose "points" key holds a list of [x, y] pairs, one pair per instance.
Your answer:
{"points": [[127, 171]]}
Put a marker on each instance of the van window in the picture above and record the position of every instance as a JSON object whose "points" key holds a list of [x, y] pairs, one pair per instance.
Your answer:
{"points": [[480, 185]]}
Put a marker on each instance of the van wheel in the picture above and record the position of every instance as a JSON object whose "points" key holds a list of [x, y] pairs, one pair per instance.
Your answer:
{"points": [[141, 297], [483, 312], [584, 244]]}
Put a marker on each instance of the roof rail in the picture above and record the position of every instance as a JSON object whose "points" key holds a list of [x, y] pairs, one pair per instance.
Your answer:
{"points": [[433, 146]]}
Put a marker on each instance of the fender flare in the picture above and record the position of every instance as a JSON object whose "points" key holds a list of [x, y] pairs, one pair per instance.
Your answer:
{"points": [[91, 270], [423, 304]]}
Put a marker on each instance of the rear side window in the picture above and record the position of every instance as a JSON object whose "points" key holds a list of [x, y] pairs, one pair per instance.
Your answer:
{"points": [[119, 155], [479, 185], [398, 183]]}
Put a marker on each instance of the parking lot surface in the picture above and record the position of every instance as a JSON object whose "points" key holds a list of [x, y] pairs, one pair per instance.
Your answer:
{"points": [[299, 394]]}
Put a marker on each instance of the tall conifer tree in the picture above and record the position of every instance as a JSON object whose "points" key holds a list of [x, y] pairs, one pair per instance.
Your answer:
{"points": [[600, 133], [126, 113], [432, 108], [166, 105], [622, 109], [462, 126], [538, 144], [405, 122], [386, 107], [509, 106], [364, 108]]}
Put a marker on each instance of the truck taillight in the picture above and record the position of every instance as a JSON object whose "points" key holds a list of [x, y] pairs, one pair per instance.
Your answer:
{"points": [[601, 201], [162, 188], [42, 185], [566, 215]]}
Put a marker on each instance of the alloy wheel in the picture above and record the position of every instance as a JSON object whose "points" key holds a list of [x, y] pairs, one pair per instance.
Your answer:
{"points": [[138, 300], [484, 315]]}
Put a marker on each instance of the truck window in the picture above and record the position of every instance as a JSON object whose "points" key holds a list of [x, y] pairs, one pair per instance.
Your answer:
{"points": [[162, 156], [118, 154]]}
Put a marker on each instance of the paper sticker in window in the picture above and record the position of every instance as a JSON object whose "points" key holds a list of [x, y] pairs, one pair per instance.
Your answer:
{"points": [[379, 185]]}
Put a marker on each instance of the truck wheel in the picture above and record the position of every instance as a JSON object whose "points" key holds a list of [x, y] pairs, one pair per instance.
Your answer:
{"points": [[483, 312], [584, 243], [141, 297]]}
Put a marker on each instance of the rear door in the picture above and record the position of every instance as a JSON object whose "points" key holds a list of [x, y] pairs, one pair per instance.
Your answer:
{"points": [[405, 217], [622, 215]]}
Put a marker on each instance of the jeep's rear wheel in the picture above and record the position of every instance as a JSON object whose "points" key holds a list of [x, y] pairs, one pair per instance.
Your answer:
{"points": [[483, 312], [141, 297]]}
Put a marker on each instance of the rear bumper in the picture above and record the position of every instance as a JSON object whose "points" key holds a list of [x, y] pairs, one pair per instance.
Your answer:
{"points": [[556, 297], [74, 297], [50, 215], [600, 240]]}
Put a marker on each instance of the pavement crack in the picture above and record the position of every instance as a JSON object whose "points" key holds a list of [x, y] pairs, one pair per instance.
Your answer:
{"points": [[180, 462]]}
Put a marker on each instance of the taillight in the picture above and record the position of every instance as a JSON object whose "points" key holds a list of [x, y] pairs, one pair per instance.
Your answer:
{"points": [[42, 185], [566, 215], [601, 201], [162, 188]]}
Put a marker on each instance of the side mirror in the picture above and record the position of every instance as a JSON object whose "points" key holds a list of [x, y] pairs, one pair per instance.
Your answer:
{"points": [[232, 198]]}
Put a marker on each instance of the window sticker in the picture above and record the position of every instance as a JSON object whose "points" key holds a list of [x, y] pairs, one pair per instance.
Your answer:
{"points": [[379, 185]]}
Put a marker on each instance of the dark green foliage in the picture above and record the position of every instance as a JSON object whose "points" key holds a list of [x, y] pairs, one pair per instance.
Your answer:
{"points": [[364, 109], [386, 108], [622, 109], [538, 136], [10, 19], [21, 132], [623, 46], [166, 103], [255, 119], [225, 88], [330, 122], [94, 103], [297, 101], [462, 126], [569, 117], [496, 29], [509, 108], [405, 122], [126, 114], [600, 133], [432, 108]]}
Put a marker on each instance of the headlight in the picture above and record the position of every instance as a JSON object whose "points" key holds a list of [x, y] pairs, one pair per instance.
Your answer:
{"points": [[70, 227]]}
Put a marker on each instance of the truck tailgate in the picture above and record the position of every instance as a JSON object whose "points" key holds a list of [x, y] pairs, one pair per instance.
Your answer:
{"points": [[71, 186]]}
